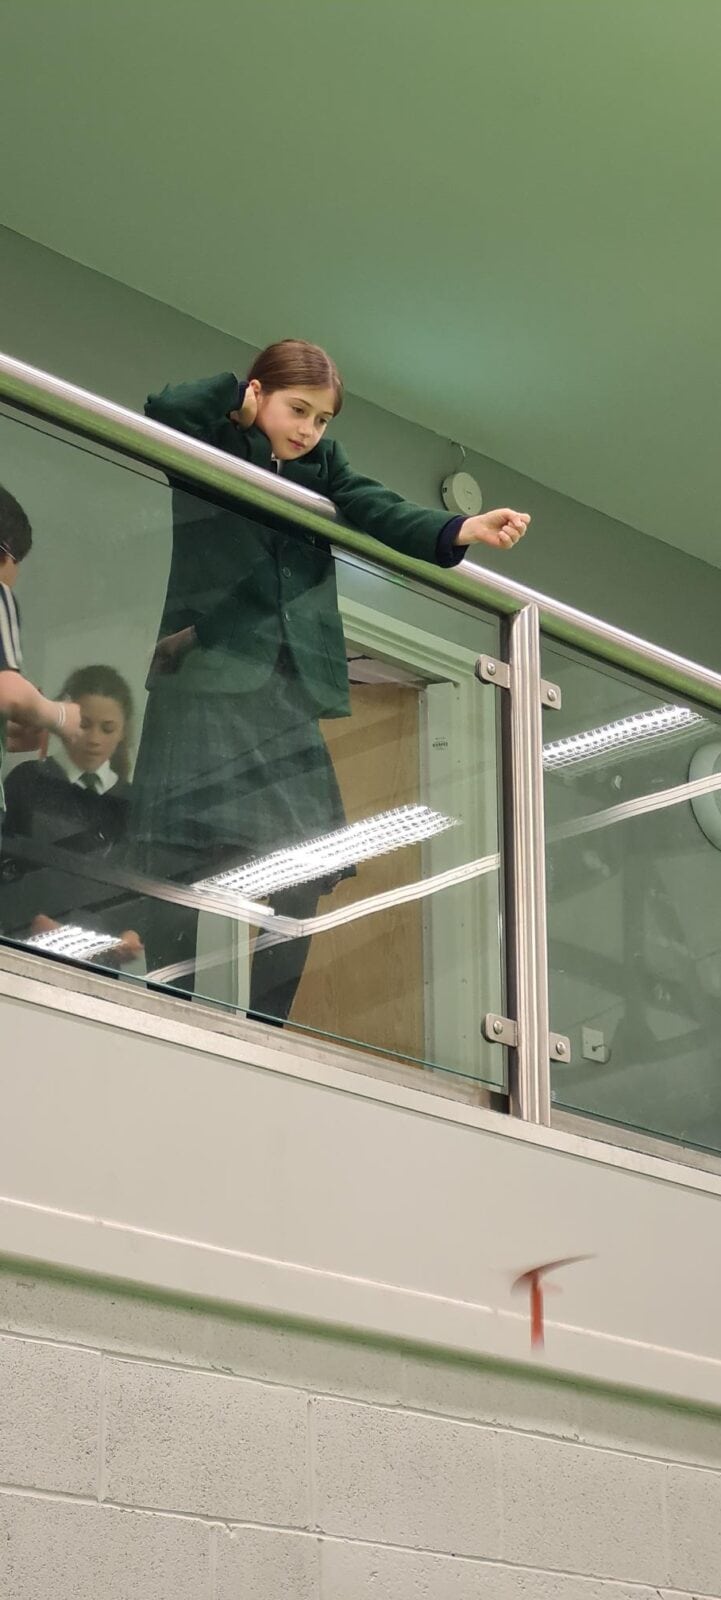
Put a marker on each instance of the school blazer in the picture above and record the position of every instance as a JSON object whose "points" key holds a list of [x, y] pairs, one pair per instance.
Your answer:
{"points": [[250, 582], [44, 807]]}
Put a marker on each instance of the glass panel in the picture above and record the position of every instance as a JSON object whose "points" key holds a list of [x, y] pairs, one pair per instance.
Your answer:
{"points": [[634, 901], [302, 823]]}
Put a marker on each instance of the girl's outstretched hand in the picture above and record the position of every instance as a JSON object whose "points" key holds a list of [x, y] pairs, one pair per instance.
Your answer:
{"points": [[501, 529]]}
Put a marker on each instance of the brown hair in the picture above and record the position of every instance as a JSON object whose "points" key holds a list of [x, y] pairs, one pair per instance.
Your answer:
{"points": [[293, 361], [105, 681]]}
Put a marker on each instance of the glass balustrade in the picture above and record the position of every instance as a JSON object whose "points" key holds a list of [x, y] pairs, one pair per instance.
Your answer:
{"points": [[633, 820], [299, 818]]}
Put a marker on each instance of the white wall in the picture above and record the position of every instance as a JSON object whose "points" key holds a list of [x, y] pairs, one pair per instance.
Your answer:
{"points": [[258, 1333], [144, 1140], [153, 1451]]}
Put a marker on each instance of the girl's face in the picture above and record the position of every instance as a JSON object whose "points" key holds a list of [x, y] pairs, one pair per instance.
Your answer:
{"points": [[294, 419], [102, 726]]}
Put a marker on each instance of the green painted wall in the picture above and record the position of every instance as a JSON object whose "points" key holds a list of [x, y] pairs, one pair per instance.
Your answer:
{"points": [[109, 338]]}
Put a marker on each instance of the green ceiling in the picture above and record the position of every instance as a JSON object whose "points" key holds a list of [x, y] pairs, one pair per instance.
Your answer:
{"points": [[502, 216]]}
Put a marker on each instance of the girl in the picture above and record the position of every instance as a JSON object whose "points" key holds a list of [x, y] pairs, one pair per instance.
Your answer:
{"points": [[77, 800], [251, 652]]}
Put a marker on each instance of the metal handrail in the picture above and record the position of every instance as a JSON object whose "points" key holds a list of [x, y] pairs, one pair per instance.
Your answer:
{"points": [[127, 431]]}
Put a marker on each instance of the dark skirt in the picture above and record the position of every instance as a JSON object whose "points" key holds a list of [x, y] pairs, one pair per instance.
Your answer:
{"points": [[229, 776]]}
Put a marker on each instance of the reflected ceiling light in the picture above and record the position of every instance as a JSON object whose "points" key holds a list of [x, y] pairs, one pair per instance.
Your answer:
{"points": [[318, 858], [615, 736], [80, 944]]}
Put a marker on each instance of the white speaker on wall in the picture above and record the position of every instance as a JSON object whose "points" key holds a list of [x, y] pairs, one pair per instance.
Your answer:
{"points": [[461, 494]]}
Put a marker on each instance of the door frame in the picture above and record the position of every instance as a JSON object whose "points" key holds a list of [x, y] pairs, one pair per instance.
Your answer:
{"points": [[457, 738]]}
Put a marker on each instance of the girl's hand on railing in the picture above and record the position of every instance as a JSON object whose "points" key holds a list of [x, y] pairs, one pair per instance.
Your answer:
{"points": [[129, 947], [169, 652], [500, 529]]}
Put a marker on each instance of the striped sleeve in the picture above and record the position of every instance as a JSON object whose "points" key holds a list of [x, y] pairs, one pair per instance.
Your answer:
{"points": [[10, 652]]}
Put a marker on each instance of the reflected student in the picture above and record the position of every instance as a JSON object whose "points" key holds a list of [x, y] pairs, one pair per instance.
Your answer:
{"points": [[251, 654], [77, 800], [20, 702]]}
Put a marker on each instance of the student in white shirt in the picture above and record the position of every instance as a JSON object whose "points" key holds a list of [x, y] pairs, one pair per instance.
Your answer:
{"points": [[20, 702]]}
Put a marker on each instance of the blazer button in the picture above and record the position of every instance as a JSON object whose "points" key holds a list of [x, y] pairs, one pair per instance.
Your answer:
{"points": [[286, 572], [286, 615]]}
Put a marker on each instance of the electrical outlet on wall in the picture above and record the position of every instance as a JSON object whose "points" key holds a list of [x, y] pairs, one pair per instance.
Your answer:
{"points": [[594, 1047]]}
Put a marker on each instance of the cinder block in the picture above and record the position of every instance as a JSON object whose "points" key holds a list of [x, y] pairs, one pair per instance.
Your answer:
{"points": [[483, 1394], [57, 1550], [111, 1319], [129, 1324], [582, 1510], [650, 1428], [369, 1572], [328, 1364], [694, 1529], [197, 1442], [49, 1416], [400, 1478], [266, 1564]]}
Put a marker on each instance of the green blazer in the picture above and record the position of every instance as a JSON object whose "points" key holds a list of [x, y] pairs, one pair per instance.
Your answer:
{"points": [[249, 586]]}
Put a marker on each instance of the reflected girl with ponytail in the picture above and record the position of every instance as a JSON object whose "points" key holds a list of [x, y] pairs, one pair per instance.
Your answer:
{"points": [[76, 799]]}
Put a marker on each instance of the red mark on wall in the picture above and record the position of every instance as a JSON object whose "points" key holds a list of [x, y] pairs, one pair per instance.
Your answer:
{"points": [[532, 1279]]}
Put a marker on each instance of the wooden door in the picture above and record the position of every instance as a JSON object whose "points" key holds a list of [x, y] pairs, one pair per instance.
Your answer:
{"points": [[364, 979]]}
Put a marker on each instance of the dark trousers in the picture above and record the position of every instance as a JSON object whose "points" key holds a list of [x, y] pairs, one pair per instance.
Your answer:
{"points": [[170, 936]]}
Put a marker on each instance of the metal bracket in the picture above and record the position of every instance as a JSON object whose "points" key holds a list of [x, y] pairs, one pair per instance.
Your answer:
{"points": [[499, 1030], [504, 1030], [490, 670], [551, 696]]}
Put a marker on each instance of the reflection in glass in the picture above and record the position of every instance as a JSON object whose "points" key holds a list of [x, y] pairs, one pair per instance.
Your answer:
{"points": [[634, 889]]}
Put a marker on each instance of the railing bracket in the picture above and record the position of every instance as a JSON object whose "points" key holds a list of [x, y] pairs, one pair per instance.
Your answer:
{"points": [[499, 1030], [559, 1047], [490, 670], [551, 696]]}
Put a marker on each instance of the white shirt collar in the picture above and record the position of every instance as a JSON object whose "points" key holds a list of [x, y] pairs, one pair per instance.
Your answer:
{"points": [[107, 779]]}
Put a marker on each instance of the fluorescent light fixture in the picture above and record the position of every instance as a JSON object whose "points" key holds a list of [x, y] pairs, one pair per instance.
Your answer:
{"points": [[330, 853], [615, 736], [71, 940]]}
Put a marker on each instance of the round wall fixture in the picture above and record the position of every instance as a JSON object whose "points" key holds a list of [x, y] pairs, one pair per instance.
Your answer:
{"points": [[461, 494], [707, 807]]}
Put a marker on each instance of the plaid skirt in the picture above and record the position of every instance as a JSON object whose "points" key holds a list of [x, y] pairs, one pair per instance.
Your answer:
{"points": [[230, 776]]}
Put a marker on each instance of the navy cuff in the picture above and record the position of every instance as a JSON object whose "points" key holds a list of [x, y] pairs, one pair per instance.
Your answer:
{"points": [[449, 554], [204, 632]]}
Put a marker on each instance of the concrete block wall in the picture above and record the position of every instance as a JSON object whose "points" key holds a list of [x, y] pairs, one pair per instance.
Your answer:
{"points": [[150, 1451]]}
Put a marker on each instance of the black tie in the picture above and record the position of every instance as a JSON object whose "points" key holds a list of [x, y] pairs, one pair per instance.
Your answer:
{"points": [[90, 780]]}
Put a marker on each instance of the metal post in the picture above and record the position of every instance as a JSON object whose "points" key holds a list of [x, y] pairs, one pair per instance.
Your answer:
{"points": [[531, 1070]]}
